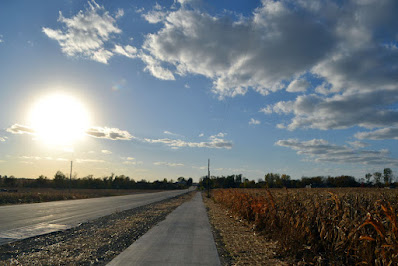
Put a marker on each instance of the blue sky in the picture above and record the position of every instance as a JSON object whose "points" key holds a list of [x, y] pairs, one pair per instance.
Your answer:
{"points": [[296, 87]]}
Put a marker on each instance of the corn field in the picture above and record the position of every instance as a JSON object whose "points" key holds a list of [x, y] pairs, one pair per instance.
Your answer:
{"points": [[322, 226]]}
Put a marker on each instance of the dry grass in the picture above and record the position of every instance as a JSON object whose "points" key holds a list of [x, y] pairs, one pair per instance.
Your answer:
{"points": [[237, 243], [35, 195], [322, 226]]}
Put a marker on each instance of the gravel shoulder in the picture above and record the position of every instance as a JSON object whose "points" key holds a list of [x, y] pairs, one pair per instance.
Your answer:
{"points": [[96, 242], [236, 242]]}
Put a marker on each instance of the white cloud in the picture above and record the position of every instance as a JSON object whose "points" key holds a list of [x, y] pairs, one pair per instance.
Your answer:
{"points": [[106, 152], [254, 52], [171, 133], [254, 122], [109, 133], [155, 16], [89, 161], [298, 85], [88, 33], [38, 158], [168, 164], [358, 144], [3, 139], [366, 109], [1, 38], [266, 110], [30, 157], [380, 134], [201, 135], [349, 48], [128, 50], [119, 13], [215, 142], [320, 150], [281, 107], [133, 162], [154, 67], [130, 158], [20, 129], [219, 135]]}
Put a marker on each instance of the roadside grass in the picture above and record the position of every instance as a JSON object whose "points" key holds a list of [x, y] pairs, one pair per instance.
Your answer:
{"points": [[36, 195]]}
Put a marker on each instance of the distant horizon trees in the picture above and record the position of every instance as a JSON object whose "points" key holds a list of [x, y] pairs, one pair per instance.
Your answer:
{"points": [[275, 180], [61, 181], [387, 175]]}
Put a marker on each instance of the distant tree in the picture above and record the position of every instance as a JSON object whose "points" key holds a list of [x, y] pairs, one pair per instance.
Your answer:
{"points": [[285, 180], [59, 180], [377, 178], [42, 181], [10, 181], [189, 182], [367, 177], [238, 179], [387, 176]]}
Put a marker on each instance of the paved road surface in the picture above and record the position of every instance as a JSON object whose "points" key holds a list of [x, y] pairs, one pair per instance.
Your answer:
{"points": [[183, 238], [26, 220]]}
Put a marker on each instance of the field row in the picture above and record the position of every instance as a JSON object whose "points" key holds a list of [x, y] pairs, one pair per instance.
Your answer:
{"points": [[322, 226]]}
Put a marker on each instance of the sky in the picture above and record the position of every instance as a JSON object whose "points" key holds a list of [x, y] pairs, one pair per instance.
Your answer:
{"points": [[152, 90]]}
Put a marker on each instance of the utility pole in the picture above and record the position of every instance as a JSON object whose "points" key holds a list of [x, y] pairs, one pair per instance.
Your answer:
{"points": [[70, 176], [208, 178]]}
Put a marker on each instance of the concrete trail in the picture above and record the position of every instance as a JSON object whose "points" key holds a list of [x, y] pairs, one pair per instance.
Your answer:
{"points": [[183, 238]]}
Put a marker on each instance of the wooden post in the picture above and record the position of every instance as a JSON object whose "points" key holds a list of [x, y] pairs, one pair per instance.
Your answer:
{"points": [[70, 176], [208, 178]]}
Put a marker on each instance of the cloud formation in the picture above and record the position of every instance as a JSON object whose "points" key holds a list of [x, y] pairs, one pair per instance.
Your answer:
{"points": [[89, 33], [367, 109], [130, 162], [109, 133], [320, 150], [20, 129], [254, 121], [341, 55], [168, 164], [380, 134], [38, 158], [106, 152], [89, 161], [215, 142], [298, 85], [254, 52]]}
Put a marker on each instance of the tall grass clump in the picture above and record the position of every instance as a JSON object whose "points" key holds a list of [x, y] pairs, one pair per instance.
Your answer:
{"points": [[321, 226]]}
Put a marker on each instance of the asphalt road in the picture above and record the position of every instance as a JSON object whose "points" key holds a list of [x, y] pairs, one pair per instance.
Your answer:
{"points": [[183, 238], [27, 220]]}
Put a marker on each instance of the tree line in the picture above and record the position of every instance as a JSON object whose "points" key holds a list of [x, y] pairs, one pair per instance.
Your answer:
{"points": [[274, 180], [61, 181]]}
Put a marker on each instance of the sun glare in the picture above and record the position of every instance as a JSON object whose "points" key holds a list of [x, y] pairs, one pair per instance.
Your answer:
{"points": [[59, 119]]}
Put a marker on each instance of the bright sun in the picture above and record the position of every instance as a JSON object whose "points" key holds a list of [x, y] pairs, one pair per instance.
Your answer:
{"points": [[59, 119]]}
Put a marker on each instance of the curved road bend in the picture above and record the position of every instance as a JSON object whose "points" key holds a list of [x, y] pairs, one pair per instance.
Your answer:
{"points": [[27, 220]]}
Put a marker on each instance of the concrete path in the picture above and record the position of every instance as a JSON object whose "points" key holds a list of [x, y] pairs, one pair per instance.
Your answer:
{"points": [[183, 238], [27, 220]]}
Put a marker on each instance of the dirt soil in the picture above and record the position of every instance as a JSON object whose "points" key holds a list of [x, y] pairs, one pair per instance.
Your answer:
{"points": [[236, 242], [93, 243]]}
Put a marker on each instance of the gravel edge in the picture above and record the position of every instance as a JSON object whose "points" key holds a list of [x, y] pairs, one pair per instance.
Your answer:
{"points": [[95, 242]]}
